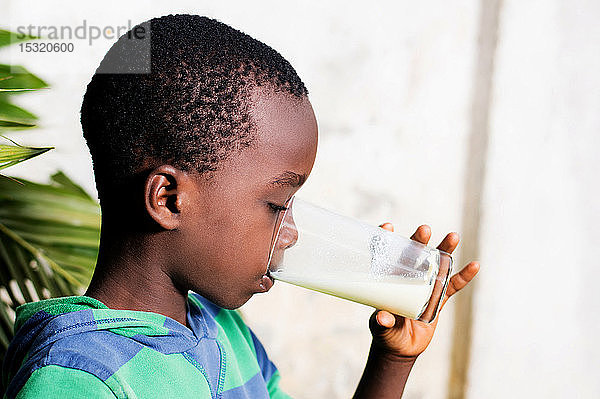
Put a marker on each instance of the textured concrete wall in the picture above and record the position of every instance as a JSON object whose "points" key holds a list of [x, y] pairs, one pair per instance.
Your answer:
{"points": [[391, 84]]}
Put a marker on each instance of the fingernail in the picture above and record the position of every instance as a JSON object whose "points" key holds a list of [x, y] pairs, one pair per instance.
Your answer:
{"points": [[385, 319]]}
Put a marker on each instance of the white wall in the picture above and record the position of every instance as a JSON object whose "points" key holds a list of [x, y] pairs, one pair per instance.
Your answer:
{"points": [[537, 312], [391, 84]]}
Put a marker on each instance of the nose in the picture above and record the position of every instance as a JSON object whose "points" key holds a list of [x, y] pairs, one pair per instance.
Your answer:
{"points": [[288, 234]]}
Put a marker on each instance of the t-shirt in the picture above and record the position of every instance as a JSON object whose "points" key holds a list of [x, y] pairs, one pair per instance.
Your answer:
{"points": [[76, 347]]}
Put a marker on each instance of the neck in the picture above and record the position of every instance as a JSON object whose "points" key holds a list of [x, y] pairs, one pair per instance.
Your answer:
{"points": [[131, 274]]}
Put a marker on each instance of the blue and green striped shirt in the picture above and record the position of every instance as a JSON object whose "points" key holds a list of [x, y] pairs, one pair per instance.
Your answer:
{"points": [[76, 347]]}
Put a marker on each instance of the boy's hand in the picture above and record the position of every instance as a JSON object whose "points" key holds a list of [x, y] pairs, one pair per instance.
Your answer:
{"points": [[403, 338]]}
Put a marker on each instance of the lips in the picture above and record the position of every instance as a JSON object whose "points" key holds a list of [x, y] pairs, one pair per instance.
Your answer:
{"points": [[266, 283]]}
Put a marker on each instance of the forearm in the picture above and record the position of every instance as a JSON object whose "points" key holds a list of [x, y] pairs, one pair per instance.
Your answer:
{"points": [[384, 376]]}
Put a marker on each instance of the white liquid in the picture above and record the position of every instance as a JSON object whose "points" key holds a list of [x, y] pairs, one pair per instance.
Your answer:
{"points": [[396, 294]]}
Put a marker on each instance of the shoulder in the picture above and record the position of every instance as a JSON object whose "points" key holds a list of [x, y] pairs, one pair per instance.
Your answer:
{"points": [[57, 382], [100, 352], [90, 356], [105, 362]]}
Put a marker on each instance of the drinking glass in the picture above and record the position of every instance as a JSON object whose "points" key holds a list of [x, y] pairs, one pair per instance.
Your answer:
{"points": [[324, 251]]}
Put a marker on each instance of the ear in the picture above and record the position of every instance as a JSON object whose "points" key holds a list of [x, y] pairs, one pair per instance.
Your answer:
{"points": [[164, 195]]}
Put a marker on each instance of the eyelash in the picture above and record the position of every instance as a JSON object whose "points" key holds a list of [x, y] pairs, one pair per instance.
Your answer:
{"points": [[277, 208]]}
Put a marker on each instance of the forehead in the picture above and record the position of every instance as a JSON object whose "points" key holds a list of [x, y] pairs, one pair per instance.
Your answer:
{"points": [[285, 147]]}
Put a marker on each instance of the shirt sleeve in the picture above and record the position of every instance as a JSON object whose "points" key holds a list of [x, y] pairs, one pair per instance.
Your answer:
{"points": [[57, 382], [268, 369], [273, 387]]}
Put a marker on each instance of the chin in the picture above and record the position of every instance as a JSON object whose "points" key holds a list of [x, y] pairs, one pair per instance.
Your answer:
{"points": [[236, 304], [228, 302]]}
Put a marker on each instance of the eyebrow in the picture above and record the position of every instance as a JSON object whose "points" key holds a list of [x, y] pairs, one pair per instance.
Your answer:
{"points": [[288, 179]]}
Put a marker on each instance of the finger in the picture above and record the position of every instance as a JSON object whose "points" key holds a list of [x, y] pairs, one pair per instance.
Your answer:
{"points": [[387, 226], [422, 234], [449, 243], [385, 319], [462, 278]]}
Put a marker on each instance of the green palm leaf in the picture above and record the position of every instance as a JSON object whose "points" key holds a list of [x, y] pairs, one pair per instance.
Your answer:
{"points": [[11, 113], [14, 79], [17, 77], [13, 154], [49, 236], [7, 38], [15, 90]]}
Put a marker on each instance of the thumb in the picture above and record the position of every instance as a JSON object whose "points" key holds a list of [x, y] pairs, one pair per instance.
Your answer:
{"points": [[380, 321]]}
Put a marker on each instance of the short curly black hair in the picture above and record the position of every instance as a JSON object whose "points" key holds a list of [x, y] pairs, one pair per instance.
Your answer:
{"points": [[191, 110]]}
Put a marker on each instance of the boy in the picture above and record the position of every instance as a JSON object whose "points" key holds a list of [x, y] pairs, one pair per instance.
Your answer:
{"points": [[193, 163]]}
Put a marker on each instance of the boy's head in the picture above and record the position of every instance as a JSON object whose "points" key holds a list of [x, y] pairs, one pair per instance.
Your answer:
{"points": [[196, 155]]}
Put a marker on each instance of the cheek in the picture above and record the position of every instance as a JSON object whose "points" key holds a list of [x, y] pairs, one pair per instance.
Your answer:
{"points": [[256, 237], [233, 247]]}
